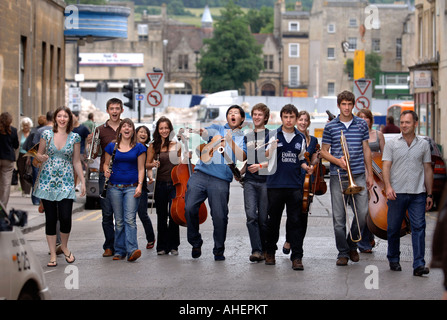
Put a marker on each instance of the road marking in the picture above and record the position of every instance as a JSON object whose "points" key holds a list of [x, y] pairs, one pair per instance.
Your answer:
{"points": [[89, 215]]}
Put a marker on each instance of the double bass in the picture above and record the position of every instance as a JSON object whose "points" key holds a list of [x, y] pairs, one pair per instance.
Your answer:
{"points": [[180, 175], [378, 208]]}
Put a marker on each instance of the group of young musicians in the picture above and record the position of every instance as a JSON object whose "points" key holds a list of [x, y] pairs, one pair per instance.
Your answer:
{"points": [[275, 165]]}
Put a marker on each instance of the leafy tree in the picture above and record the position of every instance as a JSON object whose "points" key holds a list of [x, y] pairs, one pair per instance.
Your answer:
{"points": [[232, 57], [372, 65]]}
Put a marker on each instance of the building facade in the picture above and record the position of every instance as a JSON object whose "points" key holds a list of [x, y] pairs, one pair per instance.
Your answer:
{"points": [[429, 72], [32, 52]]}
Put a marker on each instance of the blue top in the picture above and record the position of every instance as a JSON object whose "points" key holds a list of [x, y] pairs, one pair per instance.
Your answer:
{"points": [[56, 181], [355, 135], [125, 165], [217, 166], [289, 158]]}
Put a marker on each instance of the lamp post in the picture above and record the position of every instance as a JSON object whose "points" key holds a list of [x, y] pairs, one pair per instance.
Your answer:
{"points": [[197, 71]]}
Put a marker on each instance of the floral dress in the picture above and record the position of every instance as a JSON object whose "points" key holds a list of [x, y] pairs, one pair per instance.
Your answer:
{"points": [[56, 180]]}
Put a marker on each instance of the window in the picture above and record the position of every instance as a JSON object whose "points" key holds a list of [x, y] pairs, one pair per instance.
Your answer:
{"points": [[143, 32], [375, 45], [352, 22], [331, 53], [294, 50], [331, 28], [352, 44], [398, 49], [331, 88], [183, 62], [294, 76], [268, 62], [294, 26]]}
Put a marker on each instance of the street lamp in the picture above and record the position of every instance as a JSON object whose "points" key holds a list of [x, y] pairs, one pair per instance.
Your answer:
{"points": [[197, 71]]}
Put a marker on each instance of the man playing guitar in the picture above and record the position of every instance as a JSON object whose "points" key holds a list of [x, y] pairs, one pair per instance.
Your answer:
{"points": [[211, 180]]}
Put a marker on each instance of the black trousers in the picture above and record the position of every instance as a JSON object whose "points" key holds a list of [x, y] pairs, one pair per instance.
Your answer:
{"points": [[57, 210], [291, 199]]}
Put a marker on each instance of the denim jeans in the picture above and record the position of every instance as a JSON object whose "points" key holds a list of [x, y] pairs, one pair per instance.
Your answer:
{"points": [[256, 202], [107, 217], [200, 187], [125, 208], [292, 200], [168, 236], [415, 204], [343, 240]]}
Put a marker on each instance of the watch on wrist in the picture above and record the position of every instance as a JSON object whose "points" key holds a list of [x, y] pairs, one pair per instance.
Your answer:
{"points": [[429, 196]]}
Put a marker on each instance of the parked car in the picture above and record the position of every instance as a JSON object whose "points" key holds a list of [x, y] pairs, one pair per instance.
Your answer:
{"points": [[21, 275], [438, 164]]}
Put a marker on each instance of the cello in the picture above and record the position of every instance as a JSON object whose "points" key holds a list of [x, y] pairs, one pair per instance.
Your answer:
{"points": [[180, 175], [307, 185], [378, 208]]}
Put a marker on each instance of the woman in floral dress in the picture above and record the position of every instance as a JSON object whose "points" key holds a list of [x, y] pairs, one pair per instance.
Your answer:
{"points": [[59, 152]]}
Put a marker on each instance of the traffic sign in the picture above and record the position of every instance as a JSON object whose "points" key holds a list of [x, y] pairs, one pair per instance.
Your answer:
{"points": [[363, 93], [154, 89], [139, 97]]}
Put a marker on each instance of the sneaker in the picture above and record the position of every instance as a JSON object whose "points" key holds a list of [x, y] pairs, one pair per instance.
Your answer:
{"points": [[118, 257], [174, 252], [161, 253], [256, 256], [135, 255]]}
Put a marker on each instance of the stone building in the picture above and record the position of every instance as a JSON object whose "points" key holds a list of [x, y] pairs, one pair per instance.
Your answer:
{"points": [[429, 70], [379, 28], [32, 51]]}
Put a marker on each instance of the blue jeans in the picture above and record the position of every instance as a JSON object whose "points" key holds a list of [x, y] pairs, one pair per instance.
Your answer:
{"points": [[415, 204], [107, 217], [343, 240], [256, 202], [200, 187], [125, 208]]}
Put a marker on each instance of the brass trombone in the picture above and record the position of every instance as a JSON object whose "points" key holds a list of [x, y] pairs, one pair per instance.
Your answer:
{"points": [[351, 190]]}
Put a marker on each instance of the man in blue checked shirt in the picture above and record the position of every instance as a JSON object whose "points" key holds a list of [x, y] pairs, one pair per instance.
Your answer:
{"points": [[356, 132]]}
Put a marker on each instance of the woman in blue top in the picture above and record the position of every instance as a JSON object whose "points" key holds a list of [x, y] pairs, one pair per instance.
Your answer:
{"points": [[59, 152], [125, 187]]}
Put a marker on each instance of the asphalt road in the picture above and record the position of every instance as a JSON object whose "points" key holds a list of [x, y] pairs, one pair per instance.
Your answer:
{"points": [[168, 277]]}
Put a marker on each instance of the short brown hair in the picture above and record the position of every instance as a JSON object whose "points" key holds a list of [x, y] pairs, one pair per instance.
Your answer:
{"points": [[345, 95], [264, 109], [289, 108], [114, 101]]}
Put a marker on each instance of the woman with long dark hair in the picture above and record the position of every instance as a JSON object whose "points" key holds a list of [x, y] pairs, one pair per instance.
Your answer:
{"points": [[164, 154], [125, 175]]}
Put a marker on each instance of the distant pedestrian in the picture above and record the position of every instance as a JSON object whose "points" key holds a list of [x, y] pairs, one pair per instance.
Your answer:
{"points": [[408, 178], [24, 163], [9, 141], [90, 123], [390, 126]]}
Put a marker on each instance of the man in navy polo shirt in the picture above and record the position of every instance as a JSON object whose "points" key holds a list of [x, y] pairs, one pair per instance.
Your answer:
{"points": [[356, 132], [285, 187]]}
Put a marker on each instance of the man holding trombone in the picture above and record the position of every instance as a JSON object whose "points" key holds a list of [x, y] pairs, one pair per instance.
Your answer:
{"points": [[347, 138]]}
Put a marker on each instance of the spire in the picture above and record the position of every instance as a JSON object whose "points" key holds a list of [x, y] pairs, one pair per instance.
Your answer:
{"points": [[207, 19]]}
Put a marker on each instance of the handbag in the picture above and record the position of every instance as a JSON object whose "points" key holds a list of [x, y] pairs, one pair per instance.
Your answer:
{"points": [[15, 177]]}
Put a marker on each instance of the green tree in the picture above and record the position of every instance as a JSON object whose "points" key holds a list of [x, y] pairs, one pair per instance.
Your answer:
{"points": [[232, 57], [372, 65]]}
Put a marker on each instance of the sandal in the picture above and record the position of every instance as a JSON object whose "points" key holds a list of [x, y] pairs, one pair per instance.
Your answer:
{"points": [[150, 245], [52, 264], [68, 256]]}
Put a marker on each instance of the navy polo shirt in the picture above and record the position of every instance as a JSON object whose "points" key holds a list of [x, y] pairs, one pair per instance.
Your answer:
{"points": [[355, 134]]}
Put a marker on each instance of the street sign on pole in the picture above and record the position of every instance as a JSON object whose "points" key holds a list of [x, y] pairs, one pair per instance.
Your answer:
{"points": [[363, 93], [154, 89]]}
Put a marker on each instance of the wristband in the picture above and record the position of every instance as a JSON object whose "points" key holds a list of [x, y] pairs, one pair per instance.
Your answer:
{"points": [[260, 165]]}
